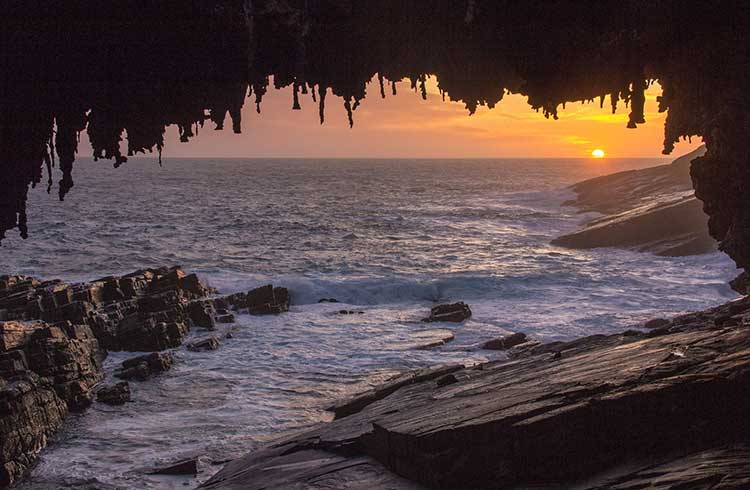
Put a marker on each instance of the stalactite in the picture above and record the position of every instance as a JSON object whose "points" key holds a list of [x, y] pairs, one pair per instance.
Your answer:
{"points": [[348, 107], [322, 106], [295, 92]]}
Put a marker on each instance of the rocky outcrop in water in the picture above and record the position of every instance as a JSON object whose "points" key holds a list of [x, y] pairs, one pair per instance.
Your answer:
{"points": [[117, 394], [143, 367], [264, 300], [596, 412], [454, 312], [45, 372], [650, 210], [143, 311]]}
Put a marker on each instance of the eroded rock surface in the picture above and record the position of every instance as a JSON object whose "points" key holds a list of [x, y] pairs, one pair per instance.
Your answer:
{"points": [[143, 311], [553, 414], [45, 372]]}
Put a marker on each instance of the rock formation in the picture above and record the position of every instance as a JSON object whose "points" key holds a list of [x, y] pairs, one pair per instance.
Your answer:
{"points": [[45, 372], [598, 412], [454, 312], [52, 340], [650, 210], [143, 311], [136, 68]]}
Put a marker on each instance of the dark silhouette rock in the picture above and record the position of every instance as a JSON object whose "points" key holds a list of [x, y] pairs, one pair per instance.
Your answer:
{"points": [[267, 300], [202, 313], [184, 467], [117, 394], [328, 300], [209, 343], [225, 318], [143, 367], [505, 343], [454, 312]]}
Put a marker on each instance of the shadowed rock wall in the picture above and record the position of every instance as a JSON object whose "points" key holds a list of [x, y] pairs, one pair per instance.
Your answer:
{"points": [[111, 68]]}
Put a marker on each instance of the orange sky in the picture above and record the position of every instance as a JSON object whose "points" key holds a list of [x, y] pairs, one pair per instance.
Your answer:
{"points": [[407, 126]]}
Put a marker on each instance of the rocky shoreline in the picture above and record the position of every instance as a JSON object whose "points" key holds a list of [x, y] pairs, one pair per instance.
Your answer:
{"points": [[605, 411], [649, 210], [654, 407], [54, 337]]}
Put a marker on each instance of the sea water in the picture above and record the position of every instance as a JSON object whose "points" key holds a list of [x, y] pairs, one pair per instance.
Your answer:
{"points": [[385, 237]]}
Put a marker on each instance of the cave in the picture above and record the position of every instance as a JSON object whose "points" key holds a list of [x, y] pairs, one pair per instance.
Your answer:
{"points": [[91, 67], [123, 73]]}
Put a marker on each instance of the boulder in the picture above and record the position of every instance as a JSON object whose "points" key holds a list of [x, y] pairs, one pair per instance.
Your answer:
{"points": [[267, 300], [454, 312], [504, 343], [143, 367], [328, 300], [210, 343], [117, 394]]}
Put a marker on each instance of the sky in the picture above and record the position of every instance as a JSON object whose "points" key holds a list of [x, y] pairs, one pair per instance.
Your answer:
{"points": [[405, 126]]}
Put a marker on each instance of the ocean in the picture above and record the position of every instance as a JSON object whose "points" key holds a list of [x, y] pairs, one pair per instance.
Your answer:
{"points": [[385, 237]]}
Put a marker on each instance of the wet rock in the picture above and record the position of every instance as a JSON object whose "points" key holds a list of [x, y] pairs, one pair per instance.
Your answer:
{"points": [[143, 367], [142, 311], [31, 413], [436, 338], [117, 394], [210, 343], [267, 300], [505, 343], [657, 323], [362, 400], [351, 312], [202, 313], [454, 312], [328, 300], [184, 467], [45, 372], [606, 402], [226, 318]]}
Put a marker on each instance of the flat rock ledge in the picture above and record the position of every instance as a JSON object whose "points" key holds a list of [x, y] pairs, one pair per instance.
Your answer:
{"points": [[661, 407]]}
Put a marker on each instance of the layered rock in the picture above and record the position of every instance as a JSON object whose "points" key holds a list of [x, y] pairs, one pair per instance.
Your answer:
{"points": [[264, 300], [650, 210], [597, 409], [143, 311], [45, 372]]}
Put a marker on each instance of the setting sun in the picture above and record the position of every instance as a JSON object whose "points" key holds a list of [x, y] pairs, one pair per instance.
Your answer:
{"points": [[597, 153]]}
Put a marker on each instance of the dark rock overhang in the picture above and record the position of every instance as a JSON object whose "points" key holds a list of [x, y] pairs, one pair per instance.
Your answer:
{"points": [[111, 68]]}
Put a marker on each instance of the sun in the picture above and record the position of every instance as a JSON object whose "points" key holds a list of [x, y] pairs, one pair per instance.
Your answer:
{"points": [[598, 153]]}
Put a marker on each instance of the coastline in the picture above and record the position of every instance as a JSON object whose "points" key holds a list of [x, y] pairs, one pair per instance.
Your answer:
{"points": [[591, 413]]}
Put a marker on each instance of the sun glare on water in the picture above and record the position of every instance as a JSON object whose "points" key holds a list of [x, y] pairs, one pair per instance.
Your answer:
{"points": [[597, 153]]}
